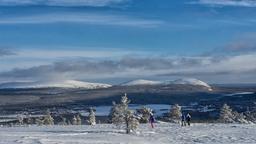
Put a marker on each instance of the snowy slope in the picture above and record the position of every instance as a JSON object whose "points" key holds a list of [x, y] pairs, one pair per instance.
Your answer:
{"points": [[141, 82], [163, 133], [62, 84]]}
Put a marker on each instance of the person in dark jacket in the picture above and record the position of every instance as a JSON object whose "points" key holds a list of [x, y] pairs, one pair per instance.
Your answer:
{"points": [[183, 120], [188, 119], [152, 120]]}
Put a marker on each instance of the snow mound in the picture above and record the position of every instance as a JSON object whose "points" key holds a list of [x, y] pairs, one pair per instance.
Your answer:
{"points": [[62, 84], [140, 82]]}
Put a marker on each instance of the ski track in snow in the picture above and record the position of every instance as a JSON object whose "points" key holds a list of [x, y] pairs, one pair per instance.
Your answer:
{"points": [[164, 133]]}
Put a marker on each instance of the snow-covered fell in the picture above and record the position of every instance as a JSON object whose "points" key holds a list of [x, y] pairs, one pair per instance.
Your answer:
{"points": [[60, 84], [141, 82], [190, 81], [184, 81]]}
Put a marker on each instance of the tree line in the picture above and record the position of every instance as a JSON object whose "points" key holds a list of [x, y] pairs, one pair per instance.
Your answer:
{"points": [[123, 117]]}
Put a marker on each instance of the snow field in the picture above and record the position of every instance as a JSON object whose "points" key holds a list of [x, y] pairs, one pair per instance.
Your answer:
{"points": [[164, 133]]}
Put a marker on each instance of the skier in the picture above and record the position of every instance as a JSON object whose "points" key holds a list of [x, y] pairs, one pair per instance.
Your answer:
{"points": [[152, 120], [188, 119], [183, 120]]}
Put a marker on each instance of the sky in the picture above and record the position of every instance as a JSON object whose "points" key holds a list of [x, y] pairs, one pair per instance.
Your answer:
{"points": [[113, 41]]}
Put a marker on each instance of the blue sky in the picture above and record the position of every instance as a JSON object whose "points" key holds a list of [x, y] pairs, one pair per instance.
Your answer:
{"points": [[213, 40]]}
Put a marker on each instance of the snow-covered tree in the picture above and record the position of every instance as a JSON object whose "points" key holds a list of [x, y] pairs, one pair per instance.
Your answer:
{"points": [[78, 119], [125, 102], [74, 120], [112, 111], [116, 115], [240, 118], [122, 115], [250, 114], [20, 119], [92, 119], [144, 114], [29, 119], [48, 119], [175, 113], [131, 121], [226, 114]]}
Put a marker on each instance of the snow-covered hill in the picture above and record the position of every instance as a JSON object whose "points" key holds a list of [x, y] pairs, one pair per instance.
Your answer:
{"points": [[87, 85], [141, 82], [189, 81], [184, 81], [61, 84]]}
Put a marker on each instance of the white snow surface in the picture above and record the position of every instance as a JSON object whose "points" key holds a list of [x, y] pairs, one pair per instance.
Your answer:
{"points": [[141, 82], [163, 133], [60, 84]]}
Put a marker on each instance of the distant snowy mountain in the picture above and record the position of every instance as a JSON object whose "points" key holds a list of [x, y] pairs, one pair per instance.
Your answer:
{"points": [[190, 81], [87, 85], [184, 81], [62, 84], [141, 82]]}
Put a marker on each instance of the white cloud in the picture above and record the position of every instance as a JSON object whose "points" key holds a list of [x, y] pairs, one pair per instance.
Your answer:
{"points": [[240, 3], [94, 3], [86, 18]]}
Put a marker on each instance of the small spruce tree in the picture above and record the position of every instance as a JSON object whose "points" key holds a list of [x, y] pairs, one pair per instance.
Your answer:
{"points": [[122, 115], [78, 118], [29, 119], [48, 119], [131, 121], [20, 119], [175, 113], [226, 114], [92, 119], [74, 120]]}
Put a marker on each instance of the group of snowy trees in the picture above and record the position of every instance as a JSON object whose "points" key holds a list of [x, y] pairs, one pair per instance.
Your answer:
{"points": [[227, 115], [121, 115], [47, 119]]}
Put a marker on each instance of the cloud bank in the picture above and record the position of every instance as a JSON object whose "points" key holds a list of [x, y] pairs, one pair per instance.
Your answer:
{"points": [[65, 3], [209, 68]]}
